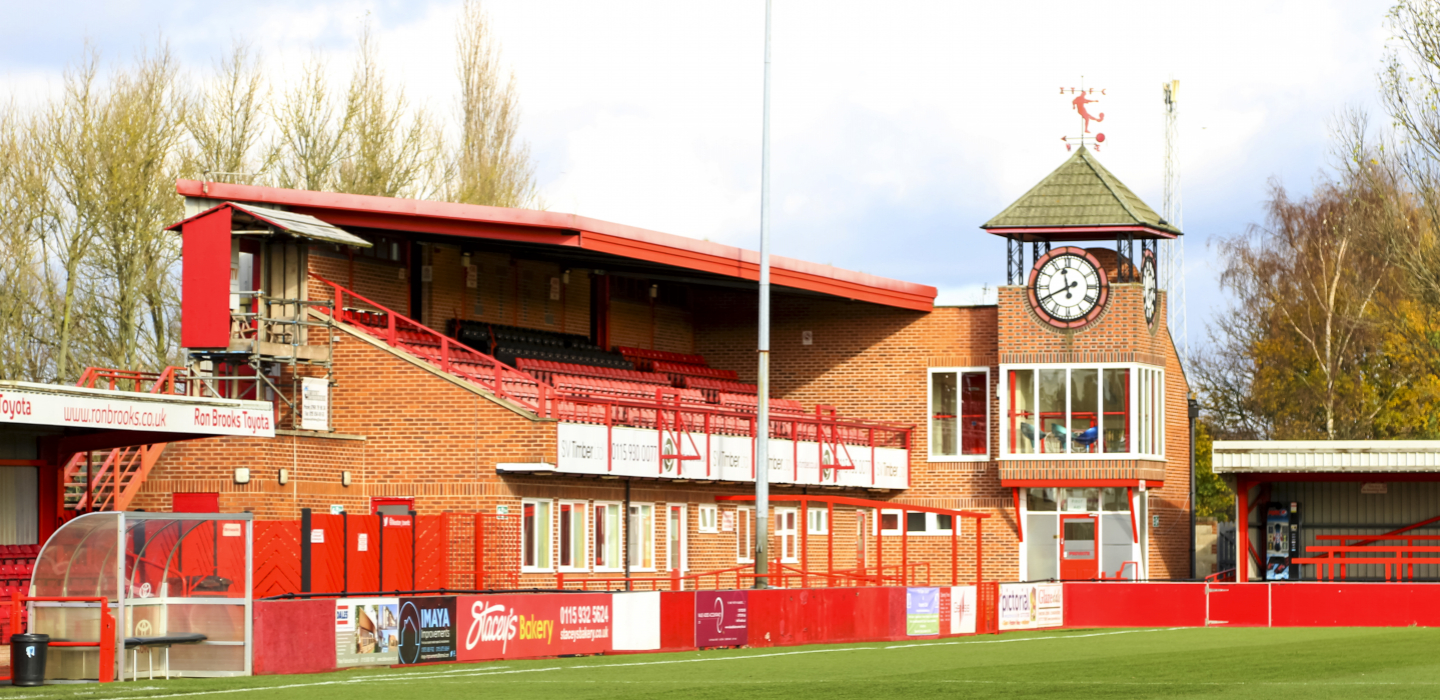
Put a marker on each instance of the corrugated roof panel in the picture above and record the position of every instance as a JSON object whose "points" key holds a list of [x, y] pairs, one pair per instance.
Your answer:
{"points": [[1318, 456], [303, 225]]}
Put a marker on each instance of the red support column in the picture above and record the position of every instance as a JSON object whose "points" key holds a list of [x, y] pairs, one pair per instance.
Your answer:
{"points": [[904, 547], [979, 549], [879, 549], [954, 550], [830, 543], [804, 543], [1242, 530]]}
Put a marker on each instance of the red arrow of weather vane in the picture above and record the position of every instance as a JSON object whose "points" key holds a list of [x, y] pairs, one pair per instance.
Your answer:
{"points": [[1083, 97]]}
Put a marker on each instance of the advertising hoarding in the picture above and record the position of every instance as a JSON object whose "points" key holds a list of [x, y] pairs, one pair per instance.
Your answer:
{"points": [[1028, 606], [922, 611], [427, 630], [722, 619], [521, 626], [367, 632], [962, 610]]}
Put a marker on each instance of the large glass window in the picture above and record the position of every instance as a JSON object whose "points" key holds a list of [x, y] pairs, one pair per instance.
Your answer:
{"points": [[1083, 410], [572, 535], [535, 534], [675, 537], [608, 537], [642, 537], [959, 419]]}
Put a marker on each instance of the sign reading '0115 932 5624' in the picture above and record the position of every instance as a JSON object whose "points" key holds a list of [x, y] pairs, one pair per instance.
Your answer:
{"points": [[520, 626]]}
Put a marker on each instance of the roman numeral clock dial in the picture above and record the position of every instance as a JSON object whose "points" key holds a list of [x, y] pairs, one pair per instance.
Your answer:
{"points": [[1068, 287]]}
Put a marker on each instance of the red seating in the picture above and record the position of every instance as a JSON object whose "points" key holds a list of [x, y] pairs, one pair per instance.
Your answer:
{"points": [[660, 355], [546, 369], [712, 388], [677, 370], [748, 402]]}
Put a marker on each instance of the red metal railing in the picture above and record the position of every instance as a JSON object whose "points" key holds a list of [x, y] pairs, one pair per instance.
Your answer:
{"points": [[1398, 565], [106, 643], [167, 381], [665, 410], [451, 356]]}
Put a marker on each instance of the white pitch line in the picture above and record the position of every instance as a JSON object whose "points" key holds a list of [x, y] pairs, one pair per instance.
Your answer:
{"points": [[1034, 639], [494, 671]]}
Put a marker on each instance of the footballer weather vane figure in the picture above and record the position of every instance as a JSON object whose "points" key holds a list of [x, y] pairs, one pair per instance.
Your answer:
{"points": [[1084, 96]]}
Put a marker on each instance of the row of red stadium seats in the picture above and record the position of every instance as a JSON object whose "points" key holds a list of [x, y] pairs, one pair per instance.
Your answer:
{"points": [[16, 567], [545, 368], [633, 354], [18, 550]]}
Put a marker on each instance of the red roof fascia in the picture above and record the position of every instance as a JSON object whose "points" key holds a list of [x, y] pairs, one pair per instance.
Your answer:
{"points": [[1100, 233], [1049, 483], [552, 228]]}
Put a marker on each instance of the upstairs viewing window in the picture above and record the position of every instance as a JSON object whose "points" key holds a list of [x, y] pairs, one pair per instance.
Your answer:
{"points": [[385, 248], [1083, 410], [959, 415]]}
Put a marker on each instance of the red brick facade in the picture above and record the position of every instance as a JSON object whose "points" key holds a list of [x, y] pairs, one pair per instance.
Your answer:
{"points": [[401, 429]]}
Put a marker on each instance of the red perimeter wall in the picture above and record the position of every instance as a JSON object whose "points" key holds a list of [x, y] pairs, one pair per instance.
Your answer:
{"points": [[294, 636], [1309, 604]]}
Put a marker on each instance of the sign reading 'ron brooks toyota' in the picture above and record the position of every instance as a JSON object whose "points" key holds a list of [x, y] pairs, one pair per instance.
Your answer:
{"points": [[77, 407]]}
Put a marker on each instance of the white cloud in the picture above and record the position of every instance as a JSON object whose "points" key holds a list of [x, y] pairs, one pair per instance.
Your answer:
{"points": [[898, 127]]}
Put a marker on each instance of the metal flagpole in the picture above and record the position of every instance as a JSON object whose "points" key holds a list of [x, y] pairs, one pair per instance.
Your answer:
{"points": [[762, 405]]}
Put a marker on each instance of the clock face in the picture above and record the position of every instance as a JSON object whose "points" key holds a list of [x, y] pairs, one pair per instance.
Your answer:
{"points": [[1151, 286], [1068, 287]]}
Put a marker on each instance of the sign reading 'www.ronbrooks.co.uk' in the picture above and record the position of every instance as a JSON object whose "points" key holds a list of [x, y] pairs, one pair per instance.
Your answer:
{"points": [[116, 411]]}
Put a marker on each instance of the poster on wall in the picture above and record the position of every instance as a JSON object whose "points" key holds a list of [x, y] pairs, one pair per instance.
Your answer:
{"points": [[1027, 606], [721, 619], [922, 611], [367, 632], [519, 626], [427, 630], [314, 403], [962, 610], [1282, 540]]}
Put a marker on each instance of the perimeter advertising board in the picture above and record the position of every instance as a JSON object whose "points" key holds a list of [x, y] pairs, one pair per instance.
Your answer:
{"points": [[74, 407], [962, 609], [922, 611], [1028, 606], [521, 626], [427, 630], [722, 619], [367, 632]]}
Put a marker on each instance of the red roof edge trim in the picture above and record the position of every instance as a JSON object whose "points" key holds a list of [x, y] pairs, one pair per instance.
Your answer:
{"points": [[593, 234]]}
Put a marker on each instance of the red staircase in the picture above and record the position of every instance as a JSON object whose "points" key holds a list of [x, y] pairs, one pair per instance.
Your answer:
{"points": [[109, 480]]}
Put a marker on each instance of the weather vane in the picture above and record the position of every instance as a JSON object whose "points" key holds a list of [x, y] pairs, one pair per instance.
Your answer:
{"points": [[1084, 96]]}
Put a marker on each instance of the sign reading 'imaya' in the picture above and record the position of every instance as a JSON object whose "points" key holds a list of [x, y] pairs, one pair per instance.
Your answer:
{"points": [[71, 407]]}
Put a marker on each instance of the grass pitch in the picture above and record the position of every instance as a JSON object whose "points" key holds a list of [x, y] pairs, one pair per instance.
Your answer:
{"points": [[1145, 663]]}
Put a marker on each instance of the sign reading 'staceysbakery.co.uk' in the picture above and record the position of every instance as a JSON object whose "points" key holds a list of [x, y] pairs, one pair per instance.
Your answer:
{"points": [[518, 626], [118, 412]]}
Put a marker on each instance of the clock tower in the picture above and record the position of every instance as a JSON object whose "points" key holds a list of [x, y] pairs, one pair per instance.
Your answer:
{"points": [[1094, 439]]}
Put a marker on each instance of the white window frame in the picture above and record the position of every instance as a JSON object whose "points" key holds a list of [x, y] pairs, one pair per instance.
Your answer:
{"points": [[581, 553], [879, 516], [618, 534], [711, 513], [794, 535], [635, 566], [684, 537], [929, 413], [744, 536], [526, 541], [1137, 421], [817, 516]]}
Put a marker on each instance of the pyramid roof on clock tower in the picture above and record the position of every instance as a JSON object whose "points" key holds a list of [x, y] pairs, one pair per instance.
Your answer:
{"points": [[1079, 201]]}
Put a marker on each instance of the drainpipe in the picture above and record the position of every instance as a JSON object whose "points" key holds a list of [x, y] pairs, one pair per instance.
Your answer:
{"points": [[1194, 406]]}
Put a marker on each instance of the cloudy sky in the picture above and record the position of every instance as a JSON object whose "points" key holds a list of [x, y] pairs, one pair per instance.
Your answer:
{"points": [[898, 127]]}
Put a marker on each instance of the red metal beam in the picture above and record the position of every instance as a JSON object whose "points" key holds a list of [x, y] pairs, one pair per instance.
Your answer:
{"points": [[860, 503], [555, 228]]}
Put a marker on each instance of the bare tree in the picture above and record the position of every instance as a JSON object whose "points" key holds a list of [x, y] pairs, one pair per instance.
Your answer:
{"points": [[491, 164], [311, 125], [226, 122], [23, 199], [391, 146]]}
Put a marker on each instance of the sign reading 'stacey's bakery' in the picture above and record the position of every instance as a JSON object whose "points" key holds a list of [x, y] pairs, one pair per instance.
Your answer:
{"points": [[241, 418]]}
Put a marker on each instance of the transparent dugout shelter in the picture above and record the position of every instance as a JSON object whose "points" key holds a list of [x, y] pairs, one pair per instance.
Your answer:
{"points": [[164, 574]]}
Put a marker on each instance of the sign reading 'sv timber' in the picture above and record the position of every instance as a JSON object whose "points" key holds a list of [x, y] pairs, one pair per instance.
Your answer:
{"points": [[1068, 287]]}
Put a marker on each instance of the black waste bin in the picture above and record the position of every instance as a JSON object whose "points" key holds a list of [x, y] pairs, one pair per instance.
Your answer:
{"points": [[27, 658]]}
